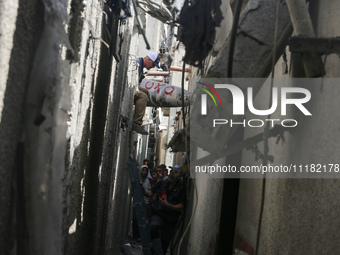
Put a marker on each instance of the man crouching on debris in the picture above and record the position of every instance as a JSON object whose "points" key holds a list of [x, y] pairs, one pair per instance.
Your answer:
{"points": [[140, 97], [168, 205]]}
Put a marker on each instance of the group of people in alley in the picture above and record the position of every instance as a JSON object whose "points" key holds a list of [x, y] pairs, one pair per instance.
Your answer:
{"points": [[164, 193], [164, 198]]}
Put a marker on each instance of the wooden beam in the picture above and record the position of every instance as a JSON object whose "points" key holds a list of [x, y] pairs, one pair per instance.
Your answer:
{"points": [[314, 45]]}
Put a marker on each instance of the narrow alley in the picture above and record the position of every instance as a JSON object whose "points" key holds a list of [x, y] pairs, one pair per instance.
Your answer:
{"points": [[169, 127]]}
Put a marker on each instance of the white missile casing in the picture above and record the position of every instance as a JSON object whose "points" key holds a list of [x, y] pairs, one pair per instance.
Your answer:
{"points": [[164, 95]]}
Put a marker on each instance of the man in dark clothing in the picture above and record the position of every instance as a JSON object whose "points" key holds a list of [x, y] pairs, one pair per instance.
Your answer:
{"points": [[166, 210], [150, 166], [154, 178], [143, 172], [145, 161], [140, 98], [160, 173]]}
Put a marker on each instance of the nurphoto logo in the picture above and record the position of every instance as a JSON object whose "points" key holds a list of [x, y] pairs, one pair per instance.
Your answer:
{"points": [[297, 96]]}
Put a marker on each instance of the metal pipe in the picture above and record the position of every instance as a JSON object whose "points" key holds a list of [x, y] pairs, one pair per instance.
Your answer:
{"points": [[300, 18], [153, 73], [140, 25], [298, 11], [179, 69], [183, 106]]}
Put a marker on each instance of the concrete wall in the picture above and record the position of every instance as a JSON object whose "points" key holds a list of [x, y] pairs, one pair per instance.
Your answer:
{"points": [[204, 203], [21, 29], [298, 214], [64, 183]]}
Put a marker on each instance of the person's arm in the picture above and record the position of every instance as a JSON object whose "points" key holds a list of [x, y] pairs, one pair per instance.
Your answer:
{"points": [[147, 193], [177, 208]]}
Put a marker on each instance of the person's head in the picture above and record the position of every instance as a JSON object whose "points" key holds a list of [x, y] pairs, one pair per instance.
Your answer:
{"points": [[150, 165], [172, 167], [165, 172], [160, 172], [151, 60], [143, 170], [153, 173], [176, 173], [145, 161]]}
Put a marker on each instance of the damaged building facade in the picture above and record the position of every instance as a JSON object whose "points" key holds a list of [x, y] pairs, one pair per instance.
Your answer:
{"points": [[66, 103]]}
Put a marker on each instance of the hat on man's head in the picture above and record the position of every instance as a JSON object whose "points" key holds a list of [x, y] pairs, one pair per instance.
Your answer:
{"points": [[155, 58], [174, 167]]}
